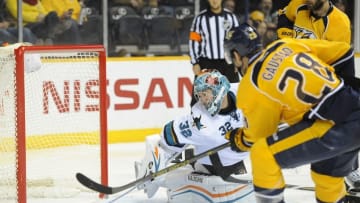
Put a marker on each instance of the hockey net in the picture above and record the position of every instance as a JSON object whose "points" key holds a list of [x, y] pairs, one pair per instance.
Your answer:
{"points": [[52, 120]]}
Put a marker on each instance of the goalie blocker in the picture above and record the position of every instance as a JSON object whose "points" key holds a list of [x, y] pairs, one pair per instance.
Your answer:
{"points": [[189, 183]]}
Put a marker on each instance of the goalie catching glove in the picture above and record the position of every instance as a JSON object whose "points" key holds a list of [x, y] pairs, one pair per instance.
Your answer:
{"points": [[238, 141]]}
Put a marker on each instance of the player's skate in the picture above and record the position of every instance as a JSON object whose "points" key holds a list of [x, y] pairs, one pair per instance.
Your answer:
{"points": [[353, 187], [353, 181]]}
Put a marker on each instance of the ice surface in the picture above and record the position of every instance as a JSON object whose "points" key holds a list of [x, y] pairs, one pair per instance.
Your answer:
{"points": [[121, 171]]}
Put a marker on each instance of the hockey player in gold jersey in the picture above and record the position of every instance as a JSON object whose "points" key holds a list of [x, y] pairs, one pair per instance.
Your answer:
{"points": [[313, 19], [317, 19], [294, 81]]}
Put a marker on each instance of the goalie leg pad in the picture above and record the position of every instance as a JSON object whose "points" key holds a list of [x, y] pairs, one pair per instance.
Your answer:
{"points": [[155, 159], [188, 186]]}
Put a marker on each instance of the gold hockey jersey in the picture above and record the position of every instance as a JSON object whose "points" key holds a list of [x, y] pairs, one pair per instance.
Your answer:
{"points": [[297, 21], [283, 83]]}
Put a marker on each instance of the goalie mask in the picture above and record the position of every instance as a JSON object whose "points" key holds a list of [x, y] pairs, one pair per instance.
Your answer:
{"points": [[210, 88]]}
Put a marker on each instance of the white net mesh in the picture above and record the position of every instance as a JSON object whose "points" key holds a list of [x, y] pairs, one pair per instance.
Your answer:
{"points": [[62, 119], [7, 123]]}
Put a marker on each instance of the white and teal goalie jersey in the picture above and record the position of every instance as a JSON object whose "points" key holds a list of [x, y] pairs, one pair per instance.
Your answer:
{"points": [[204, 131]]}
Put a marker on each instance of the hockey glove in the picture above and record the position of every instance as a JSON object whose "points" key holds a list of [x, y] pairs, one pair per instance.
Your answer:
{"points": [[237, 140], [284, 25], [284, 33]]}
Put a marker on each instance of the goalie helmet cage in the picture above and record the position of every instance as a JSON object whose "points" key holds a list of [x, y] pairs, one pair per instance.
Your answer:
{"points": [[88, 64]]}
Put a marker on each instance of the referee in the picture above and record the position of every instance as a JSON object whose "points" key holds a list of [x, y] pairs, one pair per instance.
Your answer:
{"points": [[206, 40]]}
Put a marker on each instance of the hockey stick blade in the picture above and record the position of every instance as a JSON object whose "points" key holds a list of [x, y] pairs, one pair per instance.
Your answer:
{"points": [[350, 196], [87, 182]]}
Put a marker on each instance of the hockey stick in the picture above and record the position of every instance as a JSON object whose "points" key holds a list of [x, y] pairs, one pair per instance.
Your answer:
{"points": [[87, 182], [350, 196]]}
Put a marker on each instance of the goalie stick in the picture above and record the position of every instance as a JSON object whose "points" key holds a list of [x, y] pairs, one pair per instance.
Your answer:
{"points": [[87, 182]]}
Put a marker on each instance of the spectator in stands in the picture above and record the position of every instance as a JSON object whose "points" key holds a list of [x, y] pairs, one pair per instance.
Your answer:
{"points": [[168, 6], [90, 22], [44, 24], [6, 36], [147, 8], [8, 32], [69, 14], [256, 16], [270, 18], [95, 4], [257, 20], [206, 41], [230, 5], [137, 5], [341, 4], [175, 3], [165, 7], [270, 35], [266, 6], [279, 4], [261, 28]]}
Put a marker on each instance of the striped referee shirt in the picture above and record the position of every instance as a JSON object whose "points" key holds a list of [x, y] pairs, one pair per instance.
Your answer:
{"points": [[208, 32]]}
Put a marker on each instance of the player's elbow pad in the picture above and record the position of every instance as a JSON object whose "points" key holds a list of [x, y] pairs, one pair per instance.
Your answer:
{"points": [[238, 140]]}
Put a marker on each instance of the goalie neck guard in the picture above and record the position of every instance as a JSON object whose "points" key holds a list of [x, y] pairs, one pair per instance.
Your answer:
{"points": [[210, 88]]}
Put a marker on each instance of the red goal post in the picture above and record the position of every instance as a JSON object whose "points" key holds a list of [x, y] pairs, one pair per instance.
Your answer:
{"points": [[54, 99]]}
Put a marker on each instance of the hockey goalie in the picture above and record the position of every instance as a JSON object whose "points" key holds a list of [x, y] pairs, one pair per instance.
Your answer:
{"points": [[215, 178]]}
